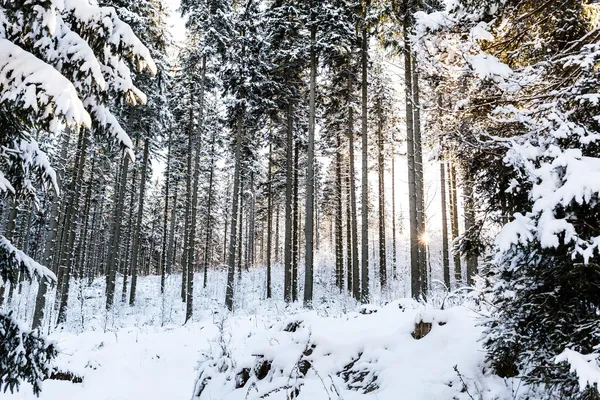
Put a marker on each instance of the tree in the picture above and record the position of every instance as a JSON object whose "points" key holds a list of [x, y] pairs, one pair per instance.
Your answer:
{"points": [[541, 272], [46, 81]]}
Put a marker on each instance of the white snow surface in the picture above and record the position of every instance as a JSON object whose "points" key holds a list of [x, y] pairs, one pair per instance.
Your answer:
{"points": [[147, 353]]}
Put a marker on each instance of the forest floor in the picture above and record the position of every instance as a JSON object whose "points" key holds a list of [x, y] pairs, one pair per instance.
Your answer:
{"points": [[339, 350]]}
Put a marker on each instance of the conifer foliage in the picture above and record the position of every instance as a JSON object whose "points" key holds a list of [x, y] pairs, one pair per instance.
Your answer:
{"points": [[527, 99], [60, 63]]}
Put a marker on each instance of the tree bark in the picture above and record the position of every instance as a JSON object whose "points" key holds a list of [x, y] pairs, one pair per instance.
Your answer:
{"points": [[287, 246], [415, 269], [191, 258], [469, 226], [269, 216], [296, 226], [445, 254], [310, 170], [381, 173], [365, 165], [40, 301], [455, 229], [394, 245], [138, 223], [163, 255], [419, 183], [356, 292], [339, 246], [209, 221], [234, 212], [70, 228]]}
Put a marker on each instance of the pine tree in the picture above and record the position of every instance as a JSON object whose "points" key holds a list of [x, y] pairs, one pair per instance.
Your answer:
{"points": [[541, 273], [46, 82]]}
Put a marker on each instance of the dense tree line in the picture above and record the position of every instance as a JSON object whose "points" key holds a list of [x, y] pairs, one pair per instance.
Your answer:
{"points": [[275, 133]]}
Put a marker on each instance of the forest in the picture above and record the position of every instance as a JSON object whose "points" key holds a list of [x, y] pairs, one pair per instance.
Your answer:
{"points": [[300, 199]]}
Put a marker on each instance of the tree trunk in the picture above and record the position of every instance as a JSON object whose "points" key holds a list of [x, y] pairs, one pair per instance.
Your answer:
{"points": [[310, 170], [240, 228], [381, 172], [163, 255], [40, 301], [419, 183], [269, 215], [193, 223], [287, 246], [171, 250], [138, 223], [296, 226], [207, 243], [355, 267], [70, 227], [394, 245], [365, 165], [415, 270], [349, 241], [445, 256], [455, 229], [130, 230], [339, 246], [469, 226], [234, 212]]}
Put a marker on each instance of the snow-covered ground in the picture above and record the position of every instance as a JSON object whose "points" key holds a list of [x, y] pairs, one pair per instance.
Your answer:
{"points": [[339, 350]]}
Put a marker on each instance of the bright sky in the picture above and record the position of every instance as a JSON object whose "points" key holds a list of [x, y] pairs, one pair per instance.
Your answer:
{"points": [[175, 21]]}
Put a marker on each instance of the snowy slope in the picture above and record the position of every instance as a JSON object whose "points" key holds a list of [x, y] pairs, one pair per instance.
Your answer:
{"points": [[152, 363]]}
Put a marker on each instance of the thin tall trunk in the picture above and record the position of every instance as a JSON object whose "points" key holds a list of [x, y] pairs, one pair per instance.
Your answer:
{"points": [[287, 246], [209, 227], [226, 217], [82, 246], [415, 270], [277, 208], [381, 172], [234, 212], [339, 246], [296, 225], [163, 255], [445, 256], [138, 223], [171, 250], [310, 171], [469, 204], [269, 216], [455, 229], [349, 241], [188, 200], [130, 230], [73, 207], [419, 183], [355, 267], [251, 225], [364, 254], [240, 228], [394, 246], [193, 223], [40, 301]]}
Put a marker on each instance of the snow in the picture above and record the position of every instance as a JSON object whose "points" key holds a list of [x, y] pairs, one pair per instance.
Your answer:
{"points": [[489, 67], [31, 82], [5, 185], [586, 367], [144, 352], [31, 267]]}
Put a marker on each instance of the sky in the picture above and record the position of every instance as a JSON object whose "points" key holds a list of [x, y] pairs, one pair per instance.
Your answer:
{"points": [[175, 21]]}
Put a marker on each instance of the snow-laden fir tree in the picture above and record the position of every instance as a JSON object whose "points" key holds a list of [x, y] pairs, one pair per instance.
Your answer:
{"points": [[528, 105], [60, 63]]}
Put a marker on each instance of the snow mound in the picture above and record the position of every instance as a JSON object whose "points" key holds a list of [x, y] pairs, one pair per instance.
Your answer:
{"points": [[402, 350]]}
